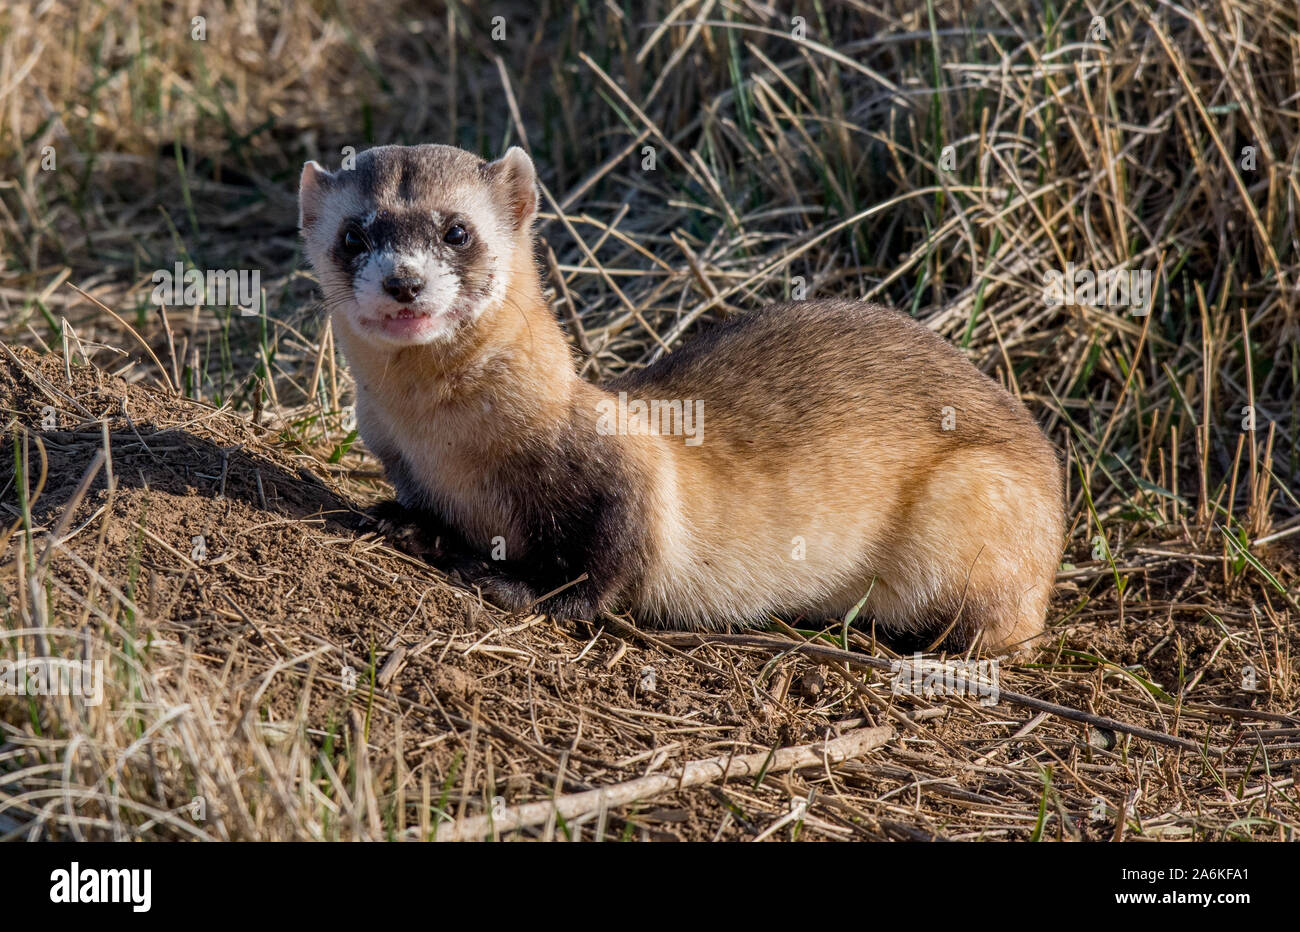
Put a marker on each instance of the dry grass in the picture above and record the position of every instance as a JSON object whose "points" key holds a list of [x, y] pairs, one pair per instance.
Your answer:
{"points": [[779, 163]]}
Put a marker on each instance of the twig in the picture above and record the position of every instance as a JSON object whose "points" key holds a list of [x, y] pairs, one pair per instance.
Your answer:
{"points": [[694, 773]]}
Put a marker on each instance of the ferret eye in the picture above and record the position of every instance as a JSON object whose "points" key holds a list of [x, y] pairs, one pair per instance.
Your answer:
{"points": [[353, 242], [456, 235]]}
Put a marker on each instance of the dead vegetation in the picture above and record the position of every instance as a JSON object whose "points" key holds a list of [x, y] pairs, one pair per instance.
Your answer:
{"points": [[183, 496]]}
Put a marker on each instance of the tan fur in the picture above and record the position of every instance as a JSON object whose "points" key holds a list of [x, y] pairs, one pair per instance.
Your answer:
{"points": [[452, 407], [823, 424], [885, 501]]}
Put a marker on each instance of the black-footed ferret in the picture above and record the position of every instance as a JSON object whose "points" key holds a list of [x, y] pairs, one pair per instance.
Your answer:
{"points": [[790, 461]]}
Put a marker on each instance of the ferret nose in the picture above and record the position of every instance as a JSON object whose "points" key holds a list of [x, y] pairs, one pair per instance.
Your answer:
{"points": [[403, 288]]}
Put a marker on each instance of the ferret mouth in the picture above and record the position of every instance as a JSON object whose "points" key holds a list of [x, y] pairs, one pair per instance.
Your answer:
{"points": [[404, 322], [405, 313]]}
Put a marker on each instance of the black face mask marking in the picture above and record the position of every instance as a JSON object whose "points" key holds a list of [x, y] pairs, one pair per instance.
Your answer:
{"points": [[416, 232]]}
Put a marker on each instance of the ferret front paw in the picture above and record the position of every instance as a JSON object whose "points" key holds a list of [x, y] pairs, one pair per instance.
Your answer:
{"points": [[413, 532], [390, 515]]}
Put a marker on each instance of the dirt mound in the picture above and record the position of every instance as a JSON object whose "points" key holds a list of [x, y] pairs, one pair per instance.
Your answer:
{"points": [[274, 657]]}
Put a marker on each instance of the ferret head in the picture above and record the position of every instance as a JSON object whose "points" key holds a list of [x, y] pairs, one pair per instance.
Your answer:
{"points": [[415, 243]]}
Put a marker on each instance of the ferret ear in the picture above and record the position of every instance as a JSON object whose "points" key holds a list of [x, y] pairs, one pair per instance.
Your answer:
{"points": [[516, 179], [312, 186]]}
